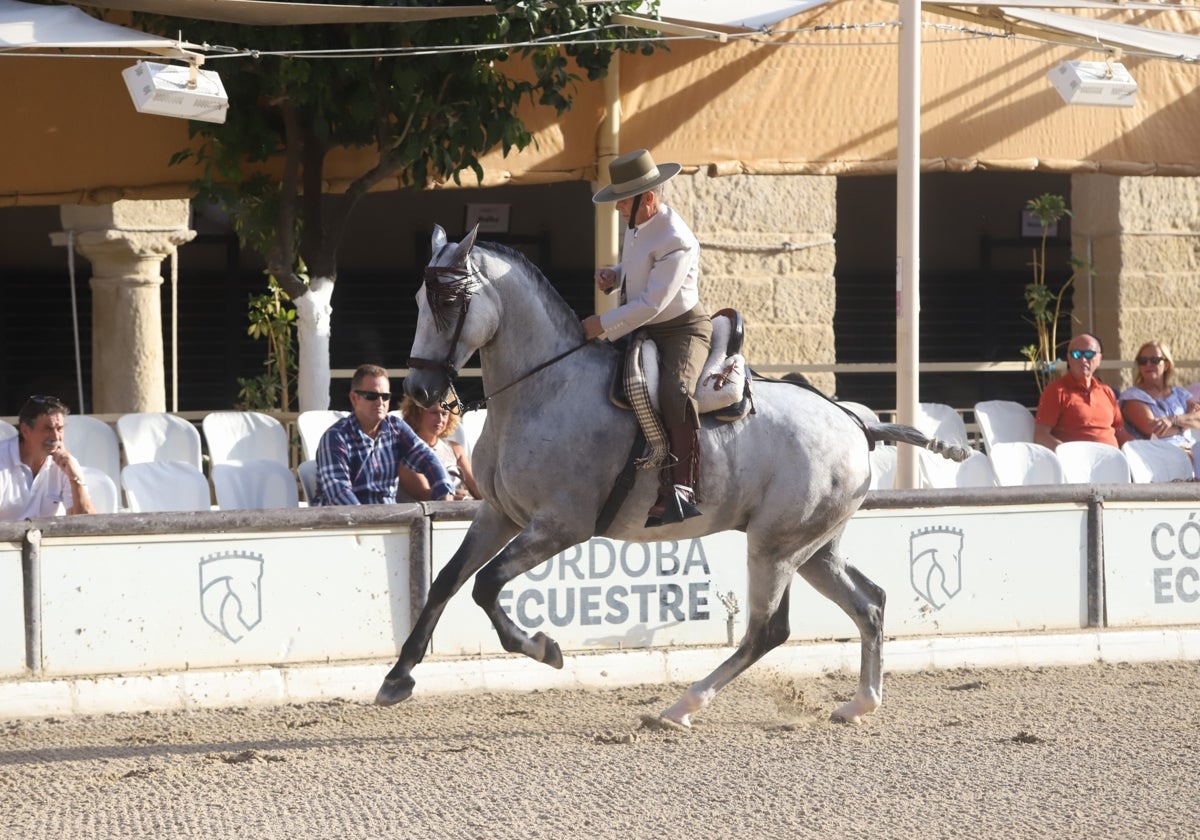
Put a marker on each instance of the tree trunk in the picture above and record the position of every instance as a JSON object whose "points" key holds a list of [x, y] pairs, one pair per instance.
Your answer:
{"points": [[313, 314]]}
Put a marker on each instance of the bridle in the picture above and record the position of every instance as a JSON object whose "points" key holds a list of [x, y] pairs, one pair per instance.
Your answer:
{"points": [[446, 286], [442, 294]]}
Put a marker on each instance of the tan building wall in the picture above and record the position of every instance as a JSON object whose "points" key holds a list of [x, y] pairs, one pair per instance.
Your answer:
{"points": [[1142, 236], [767, 250]]}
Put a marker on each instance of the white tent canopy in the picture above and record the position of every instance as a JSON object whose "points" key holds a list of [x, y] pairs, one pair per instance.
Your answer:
{"points": [[26, 26], [745, 14], [1032, 17]]}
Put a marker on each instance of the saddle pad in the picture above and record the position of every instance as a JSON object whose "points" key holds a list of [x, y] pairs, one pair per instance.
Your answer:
{"points": [[722, 383]]}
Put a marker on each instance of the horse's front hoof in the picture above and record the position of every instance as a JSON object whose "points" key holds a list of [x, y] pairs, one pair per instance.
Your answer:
{"points": [[394, 690], [551, 652]]}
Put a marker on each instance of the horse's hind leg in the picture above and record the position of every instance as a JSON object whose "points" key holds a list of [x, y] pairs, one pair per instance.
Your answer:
{"points": [[487, 535], [863, 601], [766, 629]]}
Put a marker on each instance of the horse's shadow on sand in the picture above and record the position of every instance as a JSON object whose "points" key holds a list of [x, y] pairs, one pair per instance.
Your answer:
{"points": [[637, 636]]}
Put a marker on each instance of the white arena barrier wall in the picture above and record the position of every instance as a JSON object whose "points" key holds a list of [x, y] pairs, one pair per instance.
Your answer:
{"points": [[12, 603], [961, 571], [177, 592], [955, 570], [171, 592], [1152, 564], [605, 595]]}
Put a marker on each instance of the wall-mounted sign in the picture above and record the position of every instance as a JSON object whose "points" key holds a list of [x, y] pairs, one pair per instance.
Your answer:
{"points": [[491, 218], [1031, 226]]}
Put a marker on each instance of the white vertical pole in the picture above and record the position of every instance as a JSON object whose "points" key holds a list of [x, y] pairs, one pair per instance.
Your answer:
{"points": [[608, 146], [908, 233]]}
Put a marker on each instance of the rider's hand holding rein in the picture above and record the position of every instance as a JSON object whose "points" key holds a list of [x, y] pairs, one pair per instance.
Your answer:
{"points": [[606, 281]]}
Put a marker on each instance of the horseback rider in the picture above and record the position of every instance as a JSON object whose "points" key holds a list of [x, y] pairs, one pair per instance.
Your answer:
{"points": [[658, 282]]}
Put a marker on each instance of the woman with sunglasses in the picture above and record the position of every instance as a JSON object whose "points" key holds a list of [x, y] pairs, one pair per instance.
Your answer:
{"points": [[435, 425], [1155, 408]]}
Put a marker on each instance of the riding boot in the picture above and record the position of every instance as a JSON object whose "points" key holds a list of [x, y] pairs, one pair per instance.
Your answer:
{"points": [[676, 496]]}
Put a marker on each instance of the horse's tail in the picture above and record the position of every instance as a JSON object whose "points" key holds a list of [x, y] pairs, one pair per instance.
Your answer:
{"points": [[897, 433]]}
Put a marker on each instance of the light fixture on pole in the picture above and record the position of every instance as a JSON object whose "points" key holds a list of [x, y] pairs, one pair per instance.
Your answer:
{"points": [[1094, 83], [173, 90]]}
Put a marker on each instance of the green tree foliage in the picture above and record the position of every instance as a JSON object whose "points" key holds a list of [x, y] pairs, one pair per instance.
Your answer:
{"points": [[428, 116], [1043, 301], [273, 319]]}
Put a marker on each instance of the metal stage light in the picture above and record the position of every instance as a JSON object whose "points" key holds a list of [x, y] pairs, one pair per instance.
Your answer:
{"points": [[1094, 83], [174, 90]]}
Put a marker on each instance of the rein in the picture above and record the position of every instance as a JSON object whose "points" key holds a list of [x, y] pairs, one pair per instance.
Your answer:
{"points": [[443, 294]]}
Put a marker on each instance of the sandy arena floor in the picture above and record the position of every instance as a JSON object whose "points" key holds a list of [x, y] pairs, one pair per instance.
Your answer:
{"points": [[1101, 751]]}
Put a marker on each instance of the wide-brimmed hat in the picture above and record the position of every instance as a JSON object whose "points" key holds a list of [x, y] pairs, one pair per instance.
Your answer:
{"points": [[633, 173]]}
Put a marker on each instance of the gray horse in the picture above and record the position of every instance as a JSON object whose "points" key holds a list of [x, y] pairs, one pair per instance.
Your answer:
{"points": [[553, 445]]}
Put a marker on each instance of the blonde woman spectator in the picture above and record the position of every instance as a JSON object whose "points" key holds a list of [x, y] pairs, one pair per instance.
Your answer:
{"points": [[435, 425], [1153, 406]]}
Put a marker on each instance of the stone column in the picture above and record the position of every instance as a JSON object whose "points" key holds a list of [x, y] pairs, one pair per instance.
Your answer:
{"points": [[126, 242], [1142, 237]]}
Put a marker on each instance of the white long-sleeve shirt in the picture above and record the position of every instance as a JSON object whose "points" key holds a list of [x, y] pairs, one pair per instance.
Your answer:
{"points": [[661, 265]]}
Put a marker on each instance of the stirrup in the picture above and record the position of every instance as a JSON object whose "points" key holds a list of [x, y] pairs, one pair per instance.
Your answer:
{"points": [[674, 504]]}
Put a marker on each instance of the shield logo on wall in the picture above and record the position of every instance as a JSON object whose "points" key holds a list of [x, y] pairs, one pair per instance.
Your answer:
{"points": [[231, 592], [935, 563]]}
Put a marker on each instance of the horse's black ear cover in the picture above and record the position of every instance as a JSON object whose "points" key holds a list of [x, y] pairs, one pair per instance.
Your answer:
{"points": [[737, 330]]}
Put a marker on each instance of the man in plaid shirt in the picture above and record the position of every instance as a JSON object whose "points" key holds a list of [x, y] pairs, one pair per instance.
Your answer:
{"points": [[359, 456]]}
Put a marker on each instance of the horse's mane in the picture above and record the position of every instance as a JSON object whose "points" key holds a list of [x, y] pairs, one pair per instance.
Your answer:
{"points": [[556, 307]]}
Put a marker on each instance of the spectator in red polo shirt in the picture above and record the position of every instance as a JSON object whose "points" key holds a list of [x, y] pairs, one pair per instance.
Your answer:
{"points": [[1078, 406]]}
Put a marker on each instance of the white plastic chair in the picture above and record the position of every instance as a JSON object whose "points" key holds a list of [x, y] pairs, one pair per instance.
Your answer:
{"points": [[165, 486], [1003, 421], [1019, 463], [94, 444], [312, 424], [1089, 462], [244, 436], [937, 471], [471, 425], [941, 421], [254, 485], [101, 490], [883, 467], [7, 430], [1154, 461], [307, 471], [158, 437]]}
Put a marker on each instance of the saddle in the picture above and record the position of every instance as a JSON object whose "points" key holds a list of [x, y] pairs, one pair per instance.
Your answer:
{"points": [[724, 390]]}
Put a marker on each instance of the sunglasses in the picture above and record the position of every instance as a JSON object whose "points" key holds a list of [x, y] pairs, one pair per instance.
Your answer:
{"points": [[1149, 360], [371, 396], [1084, 354]]}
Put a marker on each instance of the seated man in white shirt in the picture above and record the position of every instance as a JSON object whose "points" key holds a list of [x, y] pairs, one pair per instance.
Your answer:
{"points": [[38, 476]]}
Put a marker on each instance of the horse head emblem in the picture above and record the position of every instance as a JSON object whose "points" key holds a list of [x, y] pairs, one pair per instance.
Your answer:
{"points": [[935, 564], [231, 592], [451, 281]]}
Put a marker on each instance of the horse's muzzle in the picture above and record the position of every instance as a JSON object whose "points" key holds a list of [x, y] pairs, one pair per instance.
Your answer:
{"points": [[426, 383]]}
